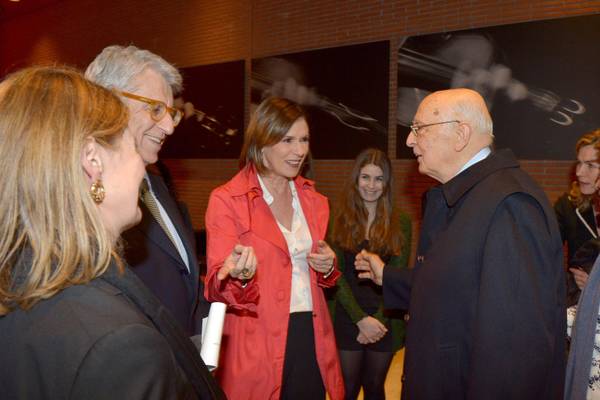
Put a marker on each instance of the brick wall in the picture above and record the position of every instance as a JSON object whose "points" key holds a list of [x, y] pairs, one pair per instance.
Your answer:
{"points": [[195, 32]]}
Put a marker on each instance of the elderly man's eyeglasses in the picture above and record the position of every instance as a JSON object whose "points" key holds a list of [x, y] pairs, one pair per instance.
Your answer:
{"points": [[414, 128], [156, 108]]}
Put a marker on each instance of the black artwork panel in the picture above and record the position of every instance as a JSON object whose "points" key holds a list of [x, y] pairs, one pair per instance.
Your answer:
{"points": [[344, 89], [213, 101], [540, 80]]}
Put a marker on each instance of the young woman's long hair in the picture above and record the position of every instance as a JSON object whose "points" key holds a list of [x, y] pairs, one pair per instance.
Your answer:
{"points": [[51, 233], [580, 200], [350, 219]]}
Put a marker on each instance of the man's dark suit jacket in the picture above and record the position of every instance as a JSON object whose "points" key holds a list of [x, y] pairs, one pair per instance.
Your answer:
{"points": [[156, 261], [487, 294]]}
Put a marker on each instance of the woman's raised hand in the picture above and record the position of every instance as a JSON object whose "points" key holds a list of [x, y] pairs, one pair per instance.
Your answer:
{"points": [[580, 276], [240, 264], [322, 260]]}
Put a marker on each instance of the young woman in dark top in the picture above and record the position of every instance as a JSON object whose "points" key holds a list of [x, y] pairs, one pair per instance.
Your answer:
{"points": [[366, 219]]}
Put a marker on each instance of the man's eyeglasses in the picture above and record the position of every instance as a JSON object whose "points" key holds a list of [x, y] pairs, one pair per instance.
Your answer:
{"points": [[414, 128], [157, 108]]}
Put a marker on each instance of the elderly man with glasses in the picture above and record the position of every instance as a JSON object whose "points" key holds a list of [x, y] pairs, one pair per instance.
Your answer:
{"points": [[161, 250], [486, 297]]}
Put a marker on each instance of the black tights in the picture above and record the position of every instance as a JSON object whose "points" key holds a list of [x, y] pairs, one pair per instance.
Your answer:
{"points": [[367, 369]]}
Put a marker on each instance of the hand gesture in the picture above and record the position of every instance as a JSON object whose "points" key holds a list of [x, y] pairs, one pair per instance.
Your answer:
{"points": [[322, 260], [240, 264], [580, 276], [370, 330], [371, 266]]}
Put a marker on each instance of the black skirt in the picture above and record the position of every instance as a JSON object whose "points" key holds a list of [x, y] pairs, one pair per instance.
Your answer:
{"points": [[301, 375]]}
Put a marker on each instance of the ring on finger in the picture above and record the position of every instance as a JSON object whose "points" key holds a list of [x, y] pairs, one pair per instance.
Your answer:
{"points": [[245, 272]]}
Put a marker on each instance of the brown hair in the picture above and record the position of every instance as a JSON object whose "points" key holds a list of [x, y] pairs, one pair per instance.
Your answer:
{"points": [[268, 125], [51, 233], [350, 221], [583, 201]]}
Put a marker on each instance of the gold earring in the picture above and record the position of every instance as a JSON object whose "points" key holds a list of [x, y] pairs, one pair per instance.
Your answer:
{"points": [[97, 191]]}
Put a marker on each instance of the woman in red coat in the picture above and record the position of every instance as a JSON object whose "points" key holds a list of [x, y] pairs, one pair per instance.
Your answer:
{"points": [[267, 260]]}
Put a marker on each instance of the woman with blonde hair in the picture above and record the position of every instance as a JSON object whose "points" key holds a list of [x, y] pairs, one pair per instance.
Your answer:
{"points": [[578, 211], [74, 321]]}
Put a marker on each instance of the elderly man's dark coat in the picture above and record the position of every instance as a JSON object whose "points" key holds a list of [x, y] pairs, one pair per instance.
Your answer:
{"points": [[487, 294]]}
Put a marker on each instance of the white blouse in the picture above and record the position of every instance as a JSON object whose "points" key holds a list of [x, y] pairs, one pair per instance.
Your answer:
{"points": [[299, 244]]}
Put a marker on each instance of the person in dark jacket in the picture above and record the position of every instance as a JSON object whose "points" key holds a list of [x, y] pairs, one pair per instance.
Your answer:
{"points": [[486, 297], [578, 210], [75, 322], [161, 249]]}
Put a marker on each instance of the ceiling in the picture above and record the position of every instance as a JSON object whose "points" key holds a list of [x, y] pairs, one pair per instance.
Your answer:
{"points": [[10, 9]]}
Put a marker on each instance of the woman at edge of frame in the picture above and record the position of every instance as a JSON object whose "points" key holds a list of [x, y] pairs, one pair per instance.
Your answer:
{"points": [[577, 211]]}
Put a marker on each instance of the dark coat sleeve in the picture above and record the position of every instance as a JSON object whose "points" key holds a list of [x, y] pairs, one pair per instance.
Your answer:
{"points": [[565, 217], [563, 211], [396, 288], [132, 362], [514, 319]]}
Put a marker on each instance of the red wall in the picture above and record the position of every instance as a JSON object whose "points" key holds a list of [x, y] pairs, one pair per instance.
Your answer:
{"points": [[195, 32]]}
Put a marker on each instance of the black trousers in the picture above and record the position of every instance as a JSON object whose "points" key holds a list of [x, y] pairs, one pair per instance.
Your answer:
{"points": [[301, 376]]}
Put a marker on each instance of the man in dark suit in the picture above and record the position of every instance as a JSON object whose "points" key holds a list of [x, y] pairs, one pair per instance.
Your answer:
{"points": [[486, 298], [161, 249]]}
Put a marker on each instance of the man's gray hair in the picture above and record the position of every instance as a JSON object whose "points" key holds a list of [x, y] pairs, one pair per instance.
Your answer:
{"points": [[118, 66]]}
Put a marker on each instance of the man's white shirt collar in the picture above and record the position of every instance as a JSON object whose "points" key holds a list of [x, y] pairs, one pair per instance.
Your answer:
{"points": [[481, 155]]}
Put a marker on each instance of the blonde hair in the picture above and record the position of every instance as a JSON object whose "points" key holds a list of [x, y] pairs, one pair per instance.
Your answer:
{"points": [[51, 233], [580, 200], [268, 125]]}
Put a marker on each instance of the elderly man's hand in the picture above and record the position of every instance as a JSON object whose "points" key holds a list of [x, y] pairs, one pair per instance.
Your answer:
{"points": [[370, 265]]}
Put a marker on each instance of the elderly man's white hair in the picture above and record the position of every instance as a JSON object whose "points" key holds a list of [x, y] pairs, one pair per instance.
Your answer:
{"points": [[118, 66], [470, 107]]}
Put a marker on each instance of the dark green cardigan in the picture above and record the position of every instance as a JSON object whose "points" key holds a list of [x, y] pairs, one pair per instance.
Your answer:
{"points": [[342, 293]]}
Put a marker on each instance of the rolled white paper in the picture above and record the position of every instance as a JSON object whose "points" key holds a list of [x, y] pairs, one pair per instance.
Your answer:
{"points": [[212, 330]]}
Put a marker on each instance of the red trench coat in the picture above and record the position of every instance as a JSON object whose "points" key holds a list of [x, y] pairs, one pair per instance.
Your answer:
{"points": [[256, 324]]}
